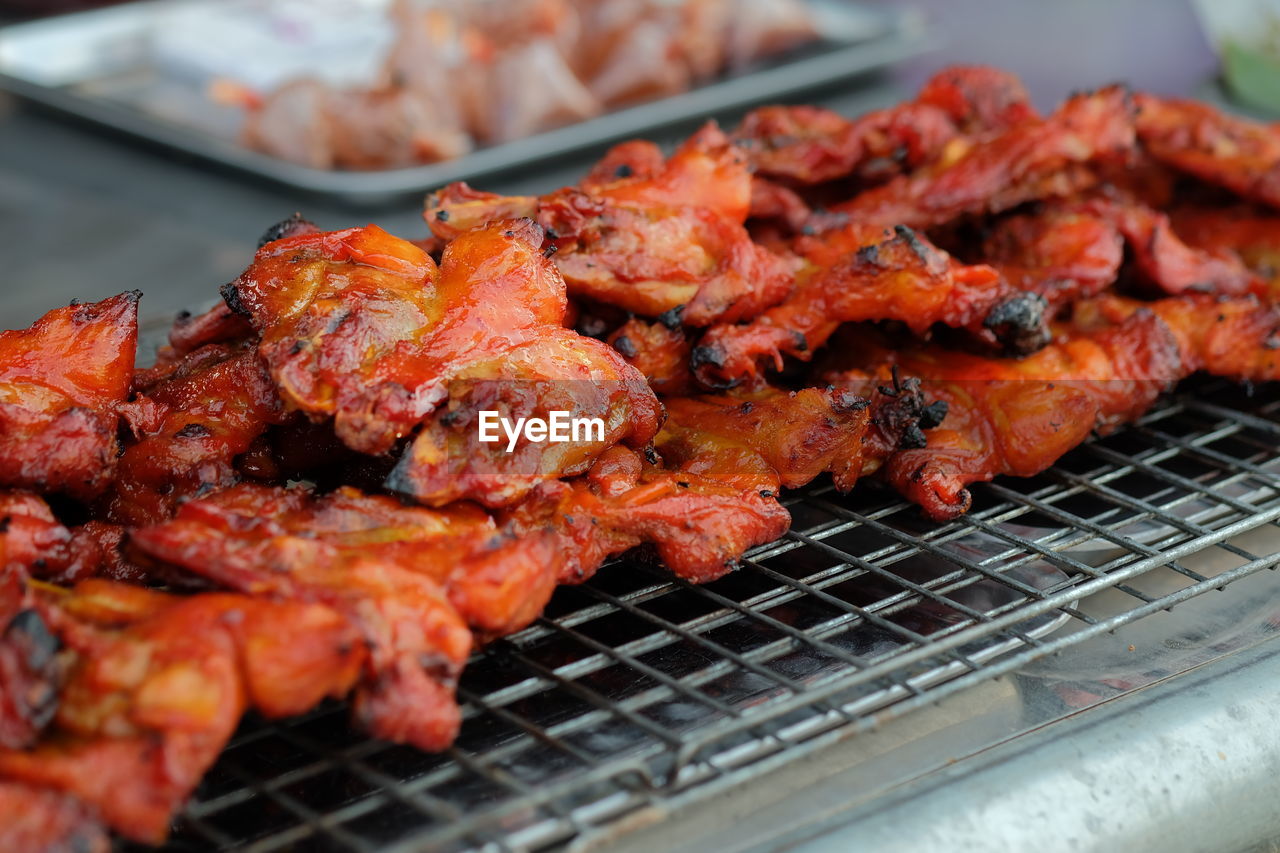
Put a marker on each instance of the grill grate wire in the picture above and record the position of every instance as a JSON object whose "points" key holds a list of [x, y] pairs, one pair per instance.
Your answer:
{"points": [[637, 687]]}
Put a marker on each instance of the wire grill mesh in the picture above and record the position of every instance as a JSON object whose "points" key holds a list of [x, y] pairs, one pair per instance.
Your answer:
{"points": [[636, 687]]}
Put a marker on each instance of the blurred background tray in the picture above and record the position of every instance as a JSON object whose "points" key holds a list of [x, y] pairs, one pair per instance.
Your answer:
{"points": [[99, 66]]}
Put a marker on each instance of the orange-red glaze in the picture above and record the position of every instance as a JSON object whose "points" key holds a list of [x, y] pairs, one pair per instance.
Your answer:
{"points": [[61, 384], [1232, 152]]}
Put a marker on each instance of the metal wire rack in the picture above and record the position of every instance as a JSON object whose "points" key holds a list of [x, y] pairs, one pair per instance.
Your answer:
{"points": [[636, 687]]}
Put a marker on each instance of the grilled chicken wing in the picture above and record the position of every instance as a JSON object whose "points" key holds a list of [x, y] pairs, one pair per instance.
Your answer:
{"points": [[155, 685], [869, 273], [710, 491], [667, 242], [1011, 416], [362, 326], [192, 424], [1107, 366], [61, 385], [1031, 160], [38, 819], [1241, 155]]}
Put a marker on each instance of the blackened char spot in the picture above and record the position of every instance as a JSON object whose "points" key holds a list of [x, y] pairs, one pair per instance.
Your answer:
{"points": [[28, 631], [908, 236], [912, 437], [706, 354], [231, 296], [1019, 323], [671, 317], [869, 255], [933, 414], [625, 346], [290, 227], [193, 430]]}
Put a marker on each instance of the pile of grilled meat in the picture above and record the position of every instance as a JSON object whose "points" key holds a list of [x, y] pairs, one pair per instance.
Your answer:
{"points": [[295, 501]]}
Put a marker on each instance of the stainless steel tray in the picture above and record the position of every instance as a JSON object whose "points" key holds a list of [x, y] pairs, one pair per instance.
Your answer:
{"points": [[97, 66]]}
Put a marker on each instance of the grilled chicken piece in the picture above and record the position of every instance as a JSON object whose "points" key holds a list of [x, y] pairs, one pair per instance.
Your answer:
{"points": [[362, 326], [156, 684], [1031, 160], [869, 273], [1012, 416], [61, 385], [1105, 367], [30, 675], [412, 579], [1166, 261], [979, 99], [659, 352], [710, 491], [38, 819], [1072, 249], [805, 145], [1250, 235], [1234, 337], [1060, 253], [212, 405], [32, 539], [1232, 152], [664, 243]]}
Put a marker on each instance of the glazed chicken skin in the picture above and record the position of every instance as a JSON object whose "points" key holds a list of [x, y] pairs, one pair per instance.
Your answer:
{"points": [[61, 385], [869, 273], [805, 146], [44, 820], [711, 489], [33, 539], [154, 686], [1031, 160], [363, 327], [1251, 235], [1164, 260], [1234, 337], [1013, 416], [1057, 252], [659, 241], [1240, 155], [191, 424], [661, 354], [1105, 367], [328, 307], [412, 579], [1070, 250]]}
